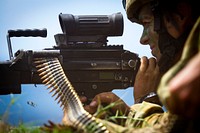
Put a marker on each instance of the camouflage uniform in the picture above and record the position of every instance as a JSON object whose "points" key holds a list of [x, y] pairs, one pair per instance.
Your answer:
{"points": [[191, 48]]}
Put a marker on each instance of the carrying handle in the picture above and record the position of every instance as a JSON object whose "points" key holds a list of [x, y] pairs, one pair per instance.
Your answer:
{"points": [[24, 33]]}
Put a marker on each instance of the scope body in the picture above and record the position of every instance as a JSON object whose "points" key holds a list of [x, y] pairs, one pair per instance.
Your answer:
{"points": [[91, 25]]}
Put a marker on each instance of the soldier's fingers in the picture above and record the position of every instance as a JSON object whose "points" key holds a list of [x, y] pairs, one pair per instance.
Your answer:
{"points": [[83, 99], [144, 64], [152, 64], [90, 109], [105, 98]]}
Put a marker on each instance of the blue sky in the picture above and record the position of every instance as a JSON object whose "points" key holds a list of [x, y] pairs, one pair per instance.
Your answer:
{"points": [[31, 14]]}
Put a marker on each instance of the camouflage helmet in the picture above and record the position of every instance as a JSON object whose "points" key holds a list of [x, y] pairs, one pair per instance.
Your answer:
{"points": [[132, 8]]}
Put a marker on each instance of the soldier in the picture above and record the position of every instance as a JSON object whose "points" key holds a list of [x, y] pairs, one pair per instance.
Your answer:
{"points": [[171, 29]]}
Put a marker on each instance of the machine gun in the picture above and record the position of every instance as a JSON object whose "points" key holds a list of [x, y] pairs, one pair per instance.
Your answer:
{"points": [[91, 65]]}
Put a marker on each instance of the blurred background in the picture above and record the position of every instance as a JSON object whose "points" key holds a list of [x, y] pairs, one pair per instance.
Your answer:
{"points": [[35, 106]]}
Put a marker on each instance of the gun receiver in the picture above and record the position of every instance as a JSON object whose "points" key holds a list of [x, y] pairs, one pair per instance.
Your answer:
{"points": [[91, 65]]}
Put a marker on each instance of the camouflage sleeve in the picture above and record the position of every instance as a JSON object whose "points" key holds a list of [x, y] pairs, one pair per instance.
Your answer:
{"points": [[144, 114], [192, 47], [143, 118]]}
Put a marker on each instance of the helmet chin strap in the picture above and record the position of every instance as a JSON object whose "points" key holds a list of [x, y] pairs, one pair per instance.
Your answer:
{"points": [[156, 12], [170, 48]]}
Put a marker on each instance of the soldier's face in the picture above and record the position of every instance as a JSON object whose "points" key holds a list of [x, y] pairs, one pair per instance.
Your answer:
{"points": [[149, 36]]}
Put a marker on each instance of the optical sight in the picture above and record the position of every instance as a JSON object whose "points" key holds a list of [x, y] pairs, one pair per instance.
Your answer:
{"points": [[91, 25]]}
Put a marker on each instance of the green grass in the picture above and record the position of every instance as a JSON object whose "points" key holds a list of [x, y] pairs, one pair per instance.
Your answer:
{"points": [[118, 118]]}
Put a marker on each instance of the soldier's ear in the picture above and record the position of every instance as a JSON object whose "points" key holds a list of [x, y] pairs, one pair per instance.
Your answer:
{"points": [[183, 16], [184, 10]]}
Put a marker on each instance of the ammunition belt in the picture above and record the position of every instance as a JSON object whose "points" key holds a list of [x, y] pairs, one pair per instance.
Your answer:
{"points": [[52, 75]]}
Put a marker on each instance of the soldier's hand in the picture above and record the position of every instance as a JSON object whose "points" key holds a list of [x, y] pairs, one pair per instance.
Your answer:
{"points": [[105, 99], [147, 78]]}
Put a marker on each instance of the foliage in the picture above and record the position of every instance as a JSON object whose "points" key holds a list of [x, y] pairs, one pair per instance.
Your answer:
{"points": [[103, 112]]}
